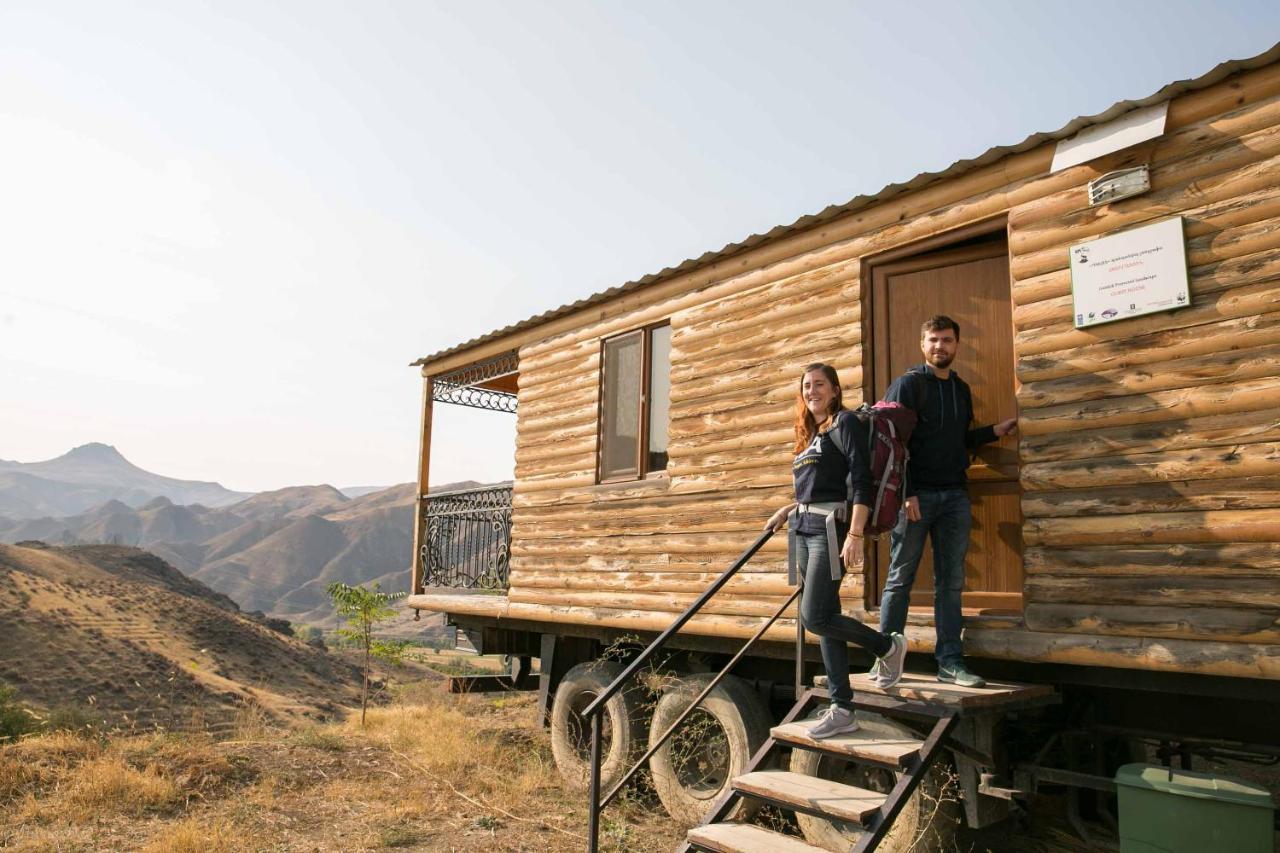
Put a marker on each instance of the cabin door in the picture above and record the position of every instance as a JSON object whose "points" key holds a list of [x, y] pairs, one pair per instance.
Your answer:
{"points": [[971, 285]]}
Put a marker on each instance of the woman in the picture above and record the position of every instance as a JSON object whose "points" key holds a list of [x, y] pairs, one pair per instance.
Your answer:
{"points": [[819, 520]]}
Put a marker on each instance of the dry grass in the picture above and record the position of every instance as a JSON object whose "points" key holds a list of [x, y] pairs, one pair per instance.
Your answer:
{"points": [[430, 772], [31, 762], [108, 785], [193, 836], [251, 721]]}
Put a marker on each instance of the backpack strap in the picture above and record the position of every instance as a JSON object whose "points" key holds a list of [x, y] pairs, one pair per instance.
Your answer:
{"points": [[837, 438]]}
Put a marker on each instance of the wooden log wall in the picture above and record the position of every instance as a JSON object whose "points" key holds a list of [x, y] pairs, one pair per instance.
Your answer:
{"points": [[1150, 447]]}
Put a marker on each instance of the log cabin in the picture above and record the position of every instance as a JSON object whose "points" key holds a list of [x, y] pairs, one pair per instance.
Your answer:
{"points": [[1126, 537]]}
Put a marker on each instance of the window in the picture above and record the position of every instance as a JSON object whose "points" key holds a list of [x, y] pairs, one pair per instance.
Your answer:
{"points": [[635, 403]]}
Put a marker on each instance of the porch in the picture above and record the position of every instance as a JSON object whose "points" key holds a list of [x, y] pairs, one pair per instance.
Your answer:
{"points": [[462, 537]]}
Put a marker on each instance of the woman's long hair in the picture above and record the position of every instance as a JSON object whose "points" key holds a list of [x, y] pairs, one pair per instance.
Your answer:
{"points": [[806, 426]]}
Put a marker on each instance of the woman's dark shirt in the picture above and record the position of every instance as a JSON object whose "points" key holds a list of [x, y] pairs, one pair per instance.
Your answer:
{"points": [[822, 473]]}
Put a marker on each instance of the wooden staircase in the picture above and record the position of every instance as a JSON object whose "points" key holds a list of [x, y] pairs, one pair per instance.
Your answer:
{"points": [[917, 697]]}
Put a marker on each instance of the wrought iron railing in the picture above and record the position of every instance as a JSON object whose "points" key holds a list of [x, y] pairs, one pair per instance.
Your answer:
{"points": [[465, 386], [466, 538], [595, 711]]}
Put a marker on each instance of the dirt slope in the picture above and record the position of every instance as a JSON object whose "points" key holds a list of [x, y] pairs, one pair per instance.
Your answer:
{"points": [[120, 633]]}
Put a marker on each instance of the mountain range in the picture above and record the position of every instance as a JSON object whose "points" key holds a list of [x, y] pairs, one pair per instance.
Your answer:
{"points": [[90, 475], [273, 552]]}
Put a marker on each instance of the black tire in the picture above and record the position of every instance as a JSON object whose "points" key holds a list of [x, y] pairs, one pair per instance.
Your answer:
{"points": [[713, 746], [623, 727], [928, 821]]}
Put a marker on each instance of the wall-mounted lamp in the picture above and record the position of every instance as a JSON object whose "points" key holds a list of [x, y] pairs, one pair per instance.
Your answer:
{"points": [[1123, 183]]}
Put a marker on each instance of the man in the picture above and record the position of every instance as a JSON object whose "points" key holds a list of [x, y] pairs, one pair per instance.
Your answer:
{"points": [[937, 503]]}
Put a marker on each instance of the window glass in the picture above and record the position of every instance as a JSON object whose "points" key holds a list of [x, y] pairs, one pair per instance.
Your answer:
{"points": [[659, 401], [620, 424]]}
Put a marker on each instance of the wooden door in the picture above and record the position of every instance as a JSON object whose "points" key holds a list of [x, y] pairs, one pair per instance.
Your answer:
{"points": [[971, 286]]}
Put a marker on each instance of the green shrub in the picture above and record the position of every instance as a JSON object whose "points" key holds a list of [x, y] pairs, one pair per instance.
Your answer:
{"points": [[70, 718], [15, 720], [312, 636], [363, 610]]}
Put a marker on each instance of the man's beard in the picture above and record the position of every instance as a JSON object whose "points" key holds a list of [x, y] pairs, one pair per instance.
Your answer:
{"points": [[941, 361]]}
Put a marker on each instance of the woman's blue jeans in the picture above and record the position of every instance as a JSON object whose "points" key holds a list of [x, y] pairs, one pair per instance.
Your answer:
{"points": [[946, 518], [820, 615]]}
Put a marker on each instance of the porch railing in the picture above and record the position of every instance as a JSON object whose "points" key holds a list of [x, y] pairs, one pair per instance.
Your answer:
{"points": [[466, 538]]}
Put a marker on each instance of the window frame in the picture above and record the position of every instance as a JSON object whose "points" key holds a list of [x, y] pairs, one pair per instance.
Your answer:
{"points": [[640, 471]]}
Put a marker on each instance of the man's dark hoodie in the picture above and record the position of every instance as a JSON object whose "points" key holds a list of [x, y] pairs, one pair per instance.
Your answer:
{"points": [[942, 439]]}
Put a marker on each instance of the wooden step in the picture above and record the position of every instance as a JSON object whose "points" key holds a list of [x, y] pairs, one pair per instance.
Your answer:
{"points": [[859, 745], [925, 688], [745, 838], [810, 794]]}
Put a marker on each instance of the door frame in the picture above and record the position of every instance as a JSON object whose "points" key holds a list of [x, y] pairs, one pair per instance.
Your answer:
{"points": [[905, 256]]}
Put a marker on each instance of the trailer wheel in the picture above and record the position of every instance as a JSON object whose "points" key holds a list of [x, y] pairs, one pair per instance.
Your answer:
{"points": [[928, 821], [715, 744], [623, 728]]}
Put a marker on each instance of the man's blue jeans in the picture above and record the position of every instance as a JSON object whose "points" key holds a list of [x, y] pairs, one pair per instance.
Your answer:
{"points": [[946, 518]]}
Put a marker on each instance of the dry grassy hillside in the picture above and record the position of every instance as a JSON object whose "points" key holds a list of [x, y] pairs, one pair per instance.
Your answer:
{"points": [[120, 634]]}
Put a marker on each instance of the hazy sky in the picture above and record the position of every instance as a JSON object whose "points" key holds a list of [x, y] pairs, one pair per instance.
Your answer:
{"points": [[226, 228]]}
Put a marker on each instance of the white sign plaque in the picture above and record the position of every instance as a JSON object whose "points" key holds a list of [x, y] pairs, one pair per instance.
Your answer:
{"points": [[1136, 272]]}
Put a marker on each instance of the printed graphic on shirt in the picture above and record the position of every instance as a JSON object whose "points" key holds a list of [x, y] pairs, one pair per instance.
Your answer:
{"points": [[819, 471], [811, 455]]}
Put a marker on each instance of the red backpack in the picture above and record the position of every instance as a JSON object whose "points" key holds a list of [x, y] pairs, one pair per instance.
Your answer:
{"points": [[889, 427]]}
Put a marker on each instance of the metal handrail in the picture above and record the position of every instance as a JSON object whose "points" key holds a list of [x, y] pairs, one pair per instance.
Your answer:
{"points": [[706, 691], [594, 711], [661, 640]]}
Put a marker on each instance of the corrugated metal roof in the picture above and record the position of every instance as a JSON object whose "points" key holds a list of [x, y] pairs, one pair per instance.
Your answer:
{"points": [[921, 180]]}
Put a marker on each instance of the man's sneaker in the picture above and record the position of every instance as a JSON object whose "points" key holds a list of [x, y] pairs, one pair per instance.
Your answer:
{"points": [[833, 721], [955, 673], [888, 670], [874, 673]]}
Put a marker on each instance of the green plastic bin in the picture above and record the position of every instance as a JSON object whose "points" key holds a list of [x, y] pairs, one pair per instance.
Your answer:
{"points": [[1171, 811]]}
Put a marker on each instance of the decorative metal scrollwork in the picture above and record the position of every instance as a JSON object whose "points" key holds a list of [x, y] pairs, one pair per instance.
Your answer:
{"points": [[466, 542], [462, 386]]}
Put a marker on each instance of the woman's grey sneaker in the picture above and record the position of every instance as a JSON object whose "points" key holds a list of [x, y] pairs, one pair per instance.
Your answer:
{"points": [[955, 673], [833, 721], [889, 667]]}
